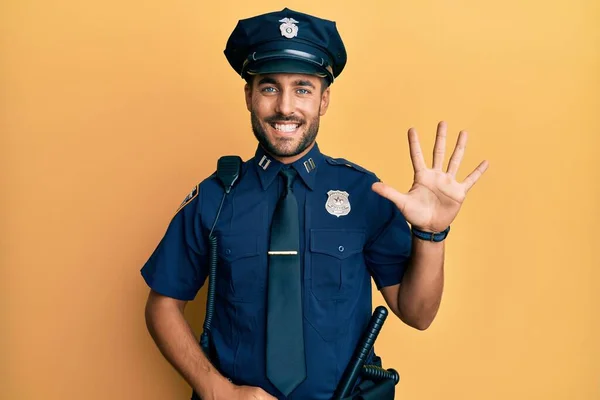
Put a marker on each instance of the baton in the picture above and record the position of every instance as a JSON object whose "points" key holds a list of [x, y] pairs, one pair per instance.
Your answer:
{"points": [[353, 370]]}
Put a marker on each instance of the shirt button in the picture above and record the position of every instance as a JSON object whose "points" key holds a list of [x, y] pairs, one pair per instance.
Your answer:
{"points": [[341, 248], [228, 251]]}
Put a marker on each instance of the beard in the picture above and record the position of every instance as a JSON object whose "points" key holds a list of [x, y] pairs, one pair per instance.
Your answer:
{"points": [[285, 147]]}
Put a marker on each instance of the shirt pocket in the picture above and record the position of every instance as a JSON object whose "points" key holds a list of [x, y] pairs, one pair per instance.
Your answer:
{"points": [[337, 275], [336, 262], [240, 267]]}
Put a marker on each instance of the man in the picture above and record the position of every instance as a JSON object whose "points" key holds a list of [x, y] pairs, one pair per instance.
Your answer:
{"points": [[300, 235]]}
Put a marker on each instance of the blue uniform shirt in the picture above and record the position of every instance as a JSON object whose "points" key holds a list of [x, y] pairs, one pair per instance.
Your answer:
{"points": [[350, 234]]}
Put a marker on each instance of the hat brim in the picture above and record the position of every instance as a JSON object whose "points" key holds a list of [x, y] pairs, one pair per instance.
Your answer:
{"points": [[286, 66]]}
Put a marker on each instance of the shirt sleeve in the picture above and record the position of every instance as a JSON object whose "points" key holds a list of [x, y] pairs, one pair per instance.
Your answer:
{"points": [[178, 266], [388, 251]]}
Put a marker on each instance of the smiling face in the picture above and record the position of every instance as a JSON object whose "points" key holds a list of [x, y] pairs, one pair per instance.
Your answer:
{"points": [[285, 110]]}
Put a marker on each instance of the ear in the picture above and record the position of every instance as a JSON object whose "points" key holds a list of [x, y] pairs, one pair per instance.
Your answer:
{"points": [[248, 96], [325, 101]]}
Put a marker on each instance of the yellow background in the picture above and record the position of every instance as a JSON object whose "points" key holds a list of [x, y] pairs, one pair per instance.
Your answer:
{"points": [[112, 110]]}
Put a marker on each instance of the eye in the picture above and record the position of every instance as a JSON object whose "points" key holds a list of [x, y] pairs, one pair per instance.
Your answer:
{"points": [[303, 91], [268, 89]]}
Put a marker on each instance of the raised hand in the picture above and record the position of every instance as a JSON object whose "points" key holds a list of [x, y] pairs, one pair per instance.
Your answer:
{"points": [[435, 197]]}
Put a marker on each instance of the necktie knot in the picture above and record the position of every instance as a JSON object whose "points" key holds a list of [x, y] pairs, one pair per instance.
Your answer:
{"points": [[289, 174]]}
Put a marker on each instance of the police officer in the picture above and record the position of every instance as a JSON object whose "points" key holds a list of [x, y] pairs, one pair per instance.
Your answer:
{"points": [[300, 235]]}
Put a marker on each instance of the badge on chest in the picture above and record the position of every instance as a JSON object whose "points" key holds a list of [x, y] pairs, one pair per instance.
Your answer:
{"points": [[337, 203]]}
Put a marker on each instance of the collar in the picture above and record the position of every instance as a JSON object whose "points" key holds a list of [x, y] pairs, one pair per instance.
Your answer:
{"points": [[267, 167]]}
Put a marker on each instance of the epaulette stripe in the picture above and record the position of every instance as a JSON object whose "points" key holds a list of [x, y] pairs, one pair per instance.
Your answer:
{"points": [[346, 163]]}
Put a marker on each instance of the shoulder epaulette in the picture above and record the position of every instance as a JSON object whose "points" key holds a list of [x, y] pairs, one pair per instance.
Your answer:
{"points": [[345, 163]]}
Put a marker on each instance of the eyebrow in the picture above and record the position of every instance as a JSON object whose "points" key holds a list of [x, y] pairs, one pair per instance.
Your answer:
{"points": [[304, 83], [272, 81]]}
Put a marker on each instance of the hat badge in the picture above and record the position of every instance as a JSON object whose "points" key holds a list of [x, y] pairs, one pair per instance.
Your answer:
{"points": [[288, 27]]}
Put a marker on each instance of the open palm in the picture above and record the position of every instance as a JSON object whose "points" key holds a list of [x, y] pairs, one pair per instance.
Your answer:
{"points": [[436, 196]]}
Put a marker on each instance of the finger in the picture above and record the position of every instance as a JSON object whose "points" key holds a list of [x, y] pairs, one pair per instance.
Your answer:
{"points": [[475, 175], [416, 155], [457, 154], [439, 148], [390, 193]]}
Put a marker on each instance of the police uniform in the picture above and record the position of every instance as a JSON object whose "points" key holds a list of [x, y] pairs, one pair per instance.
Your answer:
{"points": [[349, 234]]}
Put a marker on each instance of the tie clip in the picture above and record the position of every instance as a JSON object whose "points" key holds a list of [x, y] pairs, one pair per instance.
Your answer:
{"points": [[283, 253]]}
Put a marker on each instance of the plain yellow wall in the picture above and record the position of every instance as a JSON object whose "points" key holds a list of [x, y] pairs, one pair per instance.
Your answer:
{"points": [[113, 110]]}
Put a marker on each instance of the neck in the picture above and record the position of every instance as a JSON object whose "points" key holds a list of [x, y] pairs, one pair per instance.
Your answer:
{"points": [[291, 159]]}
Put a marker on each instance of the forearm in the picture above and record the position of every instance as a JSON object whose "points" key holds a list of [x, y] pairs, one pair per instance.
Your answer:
{"points": [[176, 341], [420, 293]]}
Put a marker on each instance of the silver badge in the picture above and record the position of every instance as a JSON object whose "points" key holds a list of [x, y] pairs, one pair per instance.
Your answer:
{"points": [[287, 28], [337, 203]]}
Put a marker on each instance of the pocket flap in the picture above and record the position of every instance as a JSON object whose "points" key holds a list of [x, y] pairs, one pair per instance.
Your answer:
{"points": [[338, 243], [232, 247]]}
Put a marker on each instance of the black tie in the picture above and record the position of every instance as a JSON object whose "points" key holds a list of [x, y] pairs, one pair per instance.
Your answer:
{"points": [[286, 367]]}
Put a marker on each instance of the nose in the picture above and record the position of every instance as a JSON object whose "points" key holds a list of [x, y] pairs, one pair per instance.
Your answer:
{"points": [[285, 103]]}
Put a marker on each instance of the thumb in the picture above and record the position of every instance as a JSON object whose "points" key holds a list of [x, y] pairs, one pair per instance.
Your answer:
{"points": [[264, 395], [389, 193]]}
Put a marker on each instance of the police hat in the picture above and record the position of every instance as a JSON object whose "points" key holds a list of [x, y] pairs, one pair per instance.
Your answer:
{"points": [[286, 41]]}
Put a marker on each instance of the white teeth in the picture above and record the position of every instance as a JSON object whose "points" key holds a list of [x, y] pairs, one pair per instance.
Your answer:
{"points": [[286, 127]]}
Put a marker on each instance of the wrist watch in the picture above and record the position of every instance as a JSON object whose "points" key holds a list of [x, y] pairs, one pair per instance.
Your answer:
{"points": [[430, 236]]}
